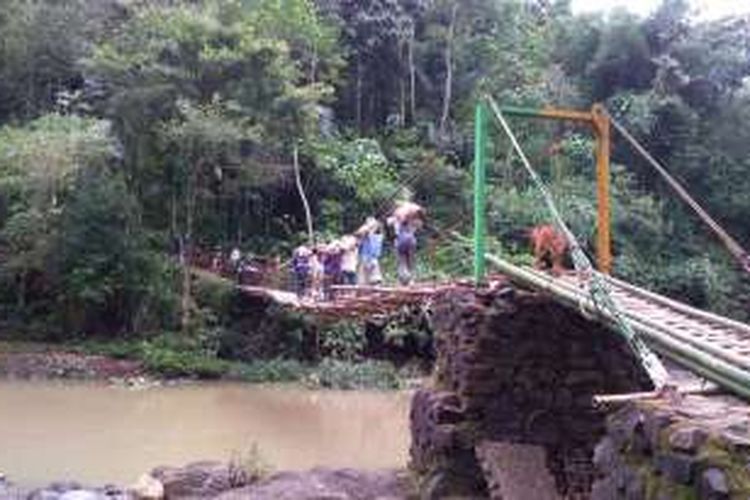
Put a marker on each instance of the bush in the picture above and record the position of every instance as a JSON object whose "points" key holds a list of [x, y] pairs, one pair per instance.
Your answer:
{"points": [[171, 363], [343, 340], [275, 370], [258, 330], [212, 291], [120, 349], [336, 374]]}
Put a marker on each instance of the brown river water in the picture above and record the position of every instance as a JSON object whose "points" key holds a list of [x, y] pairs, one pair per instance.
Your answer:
{"points": [[97, 434]]}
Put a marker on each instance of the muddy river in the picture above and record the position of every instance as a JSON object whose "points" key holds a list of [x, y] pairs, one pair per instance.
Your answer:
{"points": [[97, 434]]}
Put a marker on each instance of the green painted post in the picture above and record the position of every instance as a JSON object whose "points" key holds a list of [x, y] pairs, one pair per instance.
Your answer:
{"points": [[480, 189]]}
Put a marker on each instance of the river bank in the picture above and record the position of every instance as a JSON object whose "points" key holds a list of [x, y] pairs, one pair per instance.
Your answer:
{"points": [[44, 361], [141, 364], [231, 481]]}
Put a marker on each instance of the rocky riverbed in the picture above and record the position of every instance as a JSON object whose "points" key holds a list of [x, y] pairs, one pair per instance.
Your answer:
{"points": [[27, 362], [222, 481]]}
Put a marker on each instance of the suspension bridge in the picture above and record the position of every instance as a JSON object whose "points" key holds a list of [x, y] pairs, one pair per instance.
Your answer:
{"points": [[654, 327]]}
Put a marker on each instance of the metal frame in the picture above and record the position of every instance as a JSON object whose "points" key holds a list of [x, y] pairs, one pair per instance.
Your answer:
{"points": [[599, 121]]}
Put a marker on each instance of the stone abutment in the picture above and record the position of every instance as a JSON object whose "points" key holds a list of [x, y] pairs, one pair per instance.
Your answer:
{"points": [[509, 411]]}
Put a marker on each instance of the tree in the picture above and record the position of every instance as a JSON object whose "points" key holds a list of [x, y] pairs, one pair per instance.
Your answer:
{"points": [[41, 43], [37, 166], [189, 56], [69, 232], [205, 140]]}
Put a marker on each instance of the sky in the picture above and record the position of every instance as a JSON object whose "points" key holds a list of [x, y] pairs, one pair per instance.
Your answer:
{"points": [[706, 9]]}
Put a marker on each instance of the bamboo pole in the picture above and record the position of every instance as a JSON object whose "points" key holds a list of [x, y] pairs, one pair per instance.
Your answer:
{"points": [[679, 306], [601, 126], [480, 189], [612, 399], [693, 357]]}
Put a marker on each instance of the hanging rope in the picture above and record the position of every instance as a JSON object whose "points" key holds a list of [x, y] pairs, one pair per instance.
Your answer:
{"points": [[598, 288], [730, 243]]}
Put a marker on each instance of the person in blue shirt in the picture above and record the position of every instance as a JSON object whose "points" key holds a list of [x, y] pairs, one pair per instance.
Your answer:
{"points": [[370, 250]]}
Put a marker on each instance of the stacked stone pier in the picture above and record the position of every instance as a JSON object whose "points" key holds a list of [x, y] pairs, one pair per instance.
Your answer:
{"points": [[509, 412]]}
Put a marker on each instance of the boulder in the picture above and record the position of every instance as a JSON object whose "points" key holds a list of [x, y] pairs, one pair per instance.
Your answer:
{"points": [[81, 495], [43, 494], [687, 439], [604, 489], [10, 492], [148, 488], [678, 467], [606, 457], [328, 484], [198, 479], [63, 486], [713, 485], [653, 423]]}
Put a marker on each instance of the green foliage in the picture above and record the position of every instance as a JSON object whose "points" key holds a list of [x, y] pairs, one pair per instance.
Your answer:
{"points": [[248, 466], [272, 370], [70, 230], [171, 363], [213, 292], [105, 262], [312, 38], [40, 44], [174, 354], [336, 374], [123, 349], [129, 127], [359, 166], [622, 58], [343, 340]]}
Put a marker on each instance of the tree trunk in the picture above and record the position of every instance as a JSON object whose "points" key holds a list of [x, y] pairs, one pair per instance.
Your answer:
{"points": [[186, 299], [240, 215], [314, 65], [448, 90], [21, 297], [359, 93], [308, 214], [173, 215], [401, 86], [412, 81]]}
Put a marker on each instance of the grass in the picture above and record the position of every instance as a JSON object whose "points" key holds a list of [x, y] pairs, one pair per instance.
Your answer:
{"points": [[172, 361], [337, 374]]}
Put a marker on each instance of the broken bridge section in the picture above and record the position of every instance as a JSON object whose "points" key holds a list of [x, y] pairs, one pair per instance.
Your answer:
{"points": [[512, 389]]}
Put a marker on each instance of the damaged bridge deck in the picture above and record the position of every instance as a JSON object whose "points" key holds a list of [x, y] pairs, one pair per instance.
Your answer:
{"points": [[711, 346], [350, 302]]}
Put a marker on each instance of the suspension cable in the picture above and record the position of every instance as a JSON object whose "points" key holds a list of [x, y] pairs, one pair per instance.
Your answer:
{"points": [[739, 253], [599, 289]]}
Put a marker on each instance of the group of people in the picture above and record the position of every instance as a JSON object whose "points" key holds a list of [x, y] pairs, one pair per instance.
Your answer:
{"points": [[354, 259], [246, 269]]}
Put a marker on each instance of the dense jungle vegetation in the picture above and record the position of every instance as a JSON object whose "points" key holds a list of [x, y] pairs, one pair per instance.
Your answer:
{"points": [[129, 125]]}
